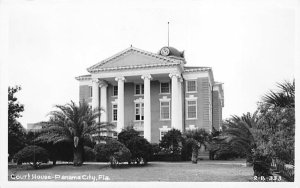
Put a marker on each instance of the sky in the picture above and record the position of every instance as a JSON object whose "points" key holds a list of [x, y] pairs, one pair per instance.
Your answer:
{"points": [[250, 45]]}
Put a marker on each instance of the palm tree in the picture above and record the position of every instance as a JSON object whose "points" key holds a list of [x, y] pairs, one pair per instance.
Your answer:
{"points": [[240, 133], [285, 97], [196, 138], [73, 124]]}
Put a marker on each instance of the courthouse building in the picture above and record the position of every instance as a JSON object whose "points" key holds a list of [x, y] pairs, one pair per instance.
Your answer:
{"points": [[153, 92]]}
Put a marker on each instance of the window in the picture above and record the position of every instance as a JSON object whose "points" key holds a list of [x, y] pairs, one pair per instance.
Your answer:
{"points": [[139, 89], [90, 91], [115, 90], [191, 109], [164, 87], [139, 111], [114, 112], [162, 134], [164, 110], [191, 86]]}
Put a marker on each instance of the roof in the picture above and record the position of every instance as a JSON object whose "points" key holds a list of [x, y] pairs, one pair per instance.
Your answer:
{"points": [[196, 69], [132, 54], [84, 77]]}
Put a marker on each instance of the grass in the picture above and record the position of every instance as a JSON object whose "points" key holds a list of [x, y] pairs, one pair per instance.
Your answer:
{"points": [[204, 171]]}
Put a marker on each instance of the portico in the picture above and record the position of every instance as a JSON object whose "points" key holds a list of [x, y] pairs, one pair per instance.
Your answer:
{"points": [[176, 98]]}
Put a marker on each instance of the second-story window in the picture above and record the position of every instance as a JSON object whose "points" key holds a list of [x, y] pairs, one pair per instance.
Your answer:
{"points": [[115, 90], [164, 87], [191, 86], [139, 89]]}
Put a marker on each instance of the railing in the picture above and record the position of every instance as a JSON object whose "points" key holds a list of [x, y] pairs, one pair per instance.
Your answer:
{"points": [[285, 170]]}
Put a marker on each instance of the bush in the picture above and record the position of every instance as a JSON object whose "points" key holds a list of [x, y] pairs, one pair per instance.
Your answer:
{"points": [[171, 143], [89, 154], [126, 134], [59, 152], [186, 152], [121, 156], [100, 152], [34, 155], [262, 159], [140, 149], [225, 152], [114, 151]]}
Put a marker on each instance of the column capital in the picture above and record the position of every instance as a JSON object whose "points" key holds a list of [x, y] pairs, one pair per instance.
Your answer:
{"points": [[96, 80], [122, 78], [147, 76], [103, 83], [177, 75]]}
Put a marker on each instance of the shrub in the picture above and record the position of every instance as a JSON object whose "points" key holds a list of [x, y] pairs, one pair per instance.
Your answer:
{"points": [[172, 142], [100, 152], [140, 149], [123, 155], [225, 152], [186, 152], [59, 151], [114, 151], [126, 134], [89, 154], [262, 159], [34, 155]]}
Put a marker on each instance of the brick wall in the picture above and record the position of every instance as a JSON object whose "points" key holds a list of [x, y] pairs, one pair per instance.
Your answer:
{"points": [[84, 93], [203, 96], [216, 110]]}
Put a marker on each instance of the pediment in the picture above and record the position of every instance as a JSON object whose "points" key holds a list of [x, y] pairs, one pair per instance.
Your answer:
{"points": [[133, 57]]}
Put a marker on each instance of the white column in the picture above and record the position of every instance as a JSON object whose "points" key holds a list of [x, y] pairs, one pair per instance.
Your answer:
{"points": [[174, 102], [120, 115], [95, 95], [103, 101], [147, 107], [180, 118]]}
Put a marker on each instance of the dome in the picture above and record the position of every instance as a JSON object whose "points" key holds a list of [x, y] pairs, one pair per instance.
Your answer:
{"points": [[171, 51]]}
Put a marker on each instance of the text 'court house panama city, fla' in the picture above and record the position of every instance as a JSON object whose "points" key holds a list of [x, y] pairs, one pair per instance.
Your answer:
{"points": [[153, 92]]}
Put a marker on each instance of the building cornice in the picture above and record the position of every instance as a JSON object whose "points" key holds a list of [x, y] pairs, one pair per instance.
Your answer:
{"points": [[167, 61], [133, 67], [84, 77], [196, 69]]}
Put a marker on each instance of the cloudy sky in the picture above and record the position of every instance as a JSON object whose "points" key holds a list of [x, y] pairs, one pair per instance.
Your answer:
{"points": [[249, 44]]}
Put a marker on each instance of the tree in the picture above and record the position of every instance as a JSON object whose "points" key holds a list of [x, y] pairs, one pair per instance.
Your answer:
{"points": [[277, 119], [240, 134], [34, 155], [196, 138], [16, 132], [171, 142], [270, 132], [72, 124], [284, 97]]}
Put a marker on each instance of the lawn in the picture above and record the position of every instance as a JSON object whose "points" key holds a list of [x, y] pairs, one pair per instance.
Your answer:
{"points": [[204, 171]]}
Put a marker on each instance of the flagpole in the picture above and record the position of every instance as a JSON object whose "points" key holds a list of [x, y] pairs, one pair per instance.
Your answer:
{"points": [[168, 34]]}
